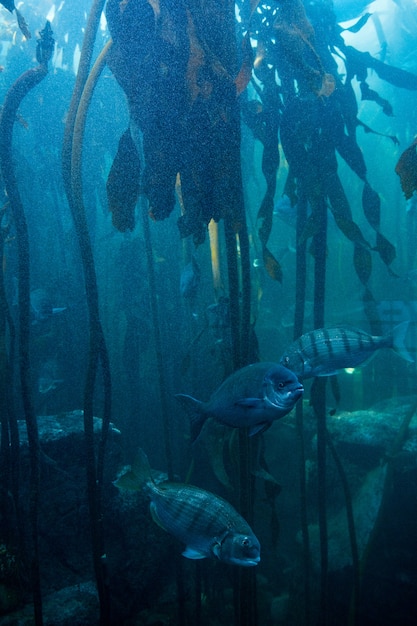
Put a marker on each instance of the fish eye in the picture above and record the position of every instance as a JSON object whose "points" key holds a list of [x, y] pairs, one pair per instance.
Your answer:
{"points": [[245, 542], [281, 385]]}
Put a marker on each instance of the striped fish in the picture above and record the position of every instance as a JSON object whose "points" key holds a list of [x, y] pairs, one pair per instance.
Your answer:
{"points": [[324, 351], [207, 524]]}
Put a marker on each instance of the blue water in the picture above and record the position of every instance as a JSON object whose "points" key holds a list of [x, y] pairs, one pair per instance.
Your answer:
{"points": [[94, 318]]}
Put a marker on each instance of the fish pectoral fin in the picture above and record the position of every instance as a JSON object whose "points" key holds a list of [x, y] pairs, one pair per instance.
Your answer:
{"points": [[259, 428], [249, 403], [155, 516], [192, 553], [216, 548]]}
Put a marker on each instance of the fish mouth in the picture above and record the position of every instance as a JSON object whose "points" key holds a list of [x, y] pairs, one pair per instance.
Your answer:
{"points": [[283, 399], [298, 392], [250, 562]]}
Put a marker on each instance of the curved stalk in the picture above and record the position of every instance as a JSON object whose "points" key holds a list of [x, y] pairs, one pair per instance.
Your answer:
{"points": [[14, 97]]}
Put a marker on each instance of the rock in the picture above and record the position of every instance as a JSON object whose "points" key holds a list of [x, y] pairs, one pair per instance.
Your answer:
{"points": [[75, 605]]}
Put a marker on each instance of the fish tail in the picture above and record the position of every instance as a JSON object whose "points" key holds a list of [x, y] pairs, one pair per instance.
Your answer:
{"points": [[194, 408], [398, 341], [138, 476]]}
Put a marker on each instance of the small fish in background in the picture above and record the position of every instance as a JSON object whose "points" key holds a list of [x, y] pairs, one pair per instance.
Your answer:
{"points": [[218, 317], [48, 380], [286, 211], [252, 397], [207, 524], [41, 308], [190, 279], [324, 351], [47, 384]]}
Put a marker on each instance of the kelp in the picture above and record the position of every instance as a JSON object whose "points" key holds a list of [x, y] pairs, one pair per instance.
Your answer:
{"points": [[149, 60], [17, 92], [71, 171], [9, 435], [371, 206], [406, 169], [316, 122], [362, 261], [123, 184], [191, 138]]}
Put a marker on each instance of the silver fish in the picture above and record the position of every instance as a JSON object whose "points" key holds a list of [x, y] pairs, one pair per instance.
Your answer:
{"points": [[41, 308], [190, 279], [207, 524], [324, 351], [47, 384], [251, 397]]}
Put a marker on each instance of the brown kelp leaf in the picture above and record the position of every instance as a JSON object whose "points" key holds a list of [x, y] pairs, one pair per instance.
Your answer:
{"points": [[264, 216], [271, 265], [328, 85], [406, 169], [371, 206], [21, 22], [369, 94], [385, 249], [360, 23], [122, 185], [312, 227], [362, 262], [368, 129], [245, 73], [351, 230]]}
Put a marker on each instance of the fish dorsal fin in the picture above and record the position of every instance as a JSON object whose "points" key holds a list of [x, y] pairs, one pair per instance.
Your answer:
{"points": [[129, 481], [138, 475]]}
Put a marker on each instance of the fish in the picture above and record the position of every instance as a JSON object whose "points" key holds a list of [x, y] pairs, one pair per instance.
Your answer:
{"points": [[48, 380], [41, 308], [252, 397], [325, 351], [218, 314], [47, 384], [190, 279], [286, 211], [207, 524]]}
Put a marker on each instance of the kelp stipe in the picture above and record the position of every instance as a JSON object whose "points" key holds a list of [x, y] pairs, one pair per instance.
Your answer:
{"points": [[13, 99], [10, 446], [71, 169]]}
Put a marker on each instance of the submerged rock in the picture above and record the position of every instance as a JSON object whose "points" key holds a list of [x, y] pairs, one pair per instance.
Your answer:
{"points": [[77, 604], [364, 436], [136, 548]]}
